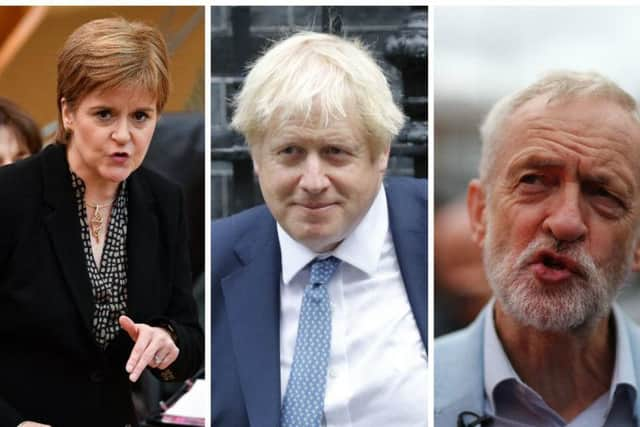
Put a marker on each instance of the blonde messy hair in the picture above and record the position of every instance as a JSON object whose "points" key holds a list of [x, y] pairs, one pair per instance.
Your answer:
{"points": [[556, 86], [109, 53], [321, 74]]}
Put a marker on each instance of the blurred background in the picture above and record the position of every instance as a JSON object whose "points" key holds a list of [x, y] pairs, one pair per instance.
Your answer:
{"points": [[396, 35], [481, 54], [32, 36], [30, 39]]}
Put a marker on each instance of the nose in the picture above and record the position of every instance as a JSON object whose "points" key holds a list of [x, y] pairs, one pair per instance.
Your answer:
{"points": [[121, 132], [313, 178], [566, 220]]}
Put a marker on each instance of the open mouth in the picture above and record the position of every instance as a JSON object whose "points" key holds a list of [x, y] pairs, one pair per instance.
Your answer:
{"points": [[550, 266], [120, 158], [552, 262]]}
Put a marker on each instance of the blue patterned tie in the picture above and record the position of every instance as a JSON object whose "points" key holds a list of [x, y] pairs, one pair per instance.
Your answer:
{"points": [[304, 399]]}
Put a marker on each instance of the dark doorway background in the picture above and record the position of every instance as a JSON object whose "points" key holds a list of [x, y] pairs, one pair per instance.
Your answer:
{"points": [[396, 34]]}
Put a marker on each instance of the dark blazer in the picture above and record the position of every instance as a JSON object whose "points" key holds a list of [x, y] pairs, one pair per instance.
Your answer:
{"points": [[246, 301], [52, 370]]}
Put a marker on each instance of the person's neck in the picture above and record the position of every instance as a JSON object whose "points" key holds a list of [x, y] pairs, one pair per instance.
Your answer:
{"points": [[569, 370], [100, 194], [97, 191]]}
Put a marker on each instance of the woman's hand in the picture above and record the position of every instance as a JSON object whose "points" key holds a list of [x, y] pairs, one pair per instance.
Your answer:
{"points": [[32, 424], [154, 347]]}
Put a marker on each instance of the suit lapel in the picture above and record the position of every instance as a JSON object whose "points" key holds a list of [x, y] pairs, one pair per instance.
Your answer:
{"points": [[633, 334], [459, 372], [142, 248], [410, 241], [63, 226], [634, 340], [252, 298]]}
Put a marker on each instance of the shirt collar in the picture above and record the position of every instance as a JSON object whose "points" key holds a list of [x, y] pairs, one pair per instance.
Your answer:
{"points": [[498, 368], [362, 248]]}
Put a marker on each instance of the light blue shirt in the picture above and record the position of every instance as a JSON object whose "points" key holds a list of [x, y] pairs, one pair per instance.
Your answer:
{"points": [[513, 403]]}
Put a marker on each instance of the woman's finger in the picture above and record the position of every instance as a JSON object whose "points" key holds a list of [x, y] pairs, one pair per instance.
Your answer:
{"points": [[129, 326], [144, 339], [170, 357], [154, 348], [145, 358], [159, 357], [159, 342]]}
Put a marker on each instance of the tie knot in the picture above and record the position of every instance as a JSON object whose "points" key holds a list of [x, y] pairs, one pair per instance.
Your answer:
{"points": [[323, 269]]}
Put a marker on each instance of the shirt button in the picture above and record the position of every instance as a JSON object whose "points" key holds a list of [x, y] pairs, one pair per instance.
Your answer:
{"points": [[333, 373]]}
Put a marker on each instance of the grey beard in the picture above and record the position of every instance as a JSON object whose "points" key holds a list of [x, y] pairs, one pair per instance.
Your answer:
{"points": [[575, 305]]}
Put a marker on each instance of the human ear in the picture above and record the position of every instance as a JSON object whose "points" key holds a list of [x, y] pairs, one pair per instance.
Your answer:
{"points": [[254, 151], [67, 114], [476, 204], [383, 160]]}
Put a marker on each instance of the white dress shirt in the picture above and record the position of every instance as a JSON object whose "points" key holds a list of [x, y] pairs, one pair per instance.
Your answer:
{"points": [[377, 373]]}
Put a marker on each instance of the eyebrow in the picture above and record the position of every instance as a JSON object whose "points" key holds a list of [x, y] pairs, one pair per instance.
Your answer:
{"points": [[616, 181], [535, 161], [538, 161], [329, 135], [597, 178]]}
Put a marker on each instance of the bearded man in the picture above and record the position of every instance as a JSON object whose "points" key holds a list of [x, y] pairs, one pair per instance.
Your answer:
{"points": [[556, 211]]}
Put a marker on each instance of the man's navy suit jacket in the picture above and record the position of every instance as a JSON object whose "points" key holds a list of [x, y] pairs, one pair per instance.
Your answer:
{"points": [[246, 301]]}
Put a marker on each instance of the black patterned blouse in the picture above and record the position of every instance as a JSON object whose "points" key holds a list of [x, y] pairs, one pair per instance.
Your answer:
{"points": [[109, 282]]}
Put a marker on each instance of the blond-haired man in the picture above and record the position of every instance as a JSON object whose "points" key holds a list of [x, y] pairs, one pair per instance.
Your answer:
{"points": [[319, 297]]}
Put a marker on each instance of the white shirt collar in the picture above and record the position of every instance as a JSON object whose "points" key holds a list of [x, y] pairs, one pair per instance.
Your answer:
{"points": [[362, 248]]}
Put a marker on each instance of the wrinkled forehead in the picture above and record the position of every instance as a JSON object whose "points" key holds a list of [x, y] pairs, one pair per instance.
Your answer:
{"points": [[591, 120], [593, 132], [587, 108]]}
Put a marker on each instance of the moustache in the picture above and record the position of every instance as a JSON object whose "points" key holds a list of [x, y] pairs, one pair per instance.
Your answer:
{"points": [[569, 255]]}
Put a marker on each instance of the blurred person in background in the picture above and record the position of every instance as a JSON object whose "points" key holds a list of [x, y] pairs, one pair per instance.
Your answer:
{"points": [[325, 285], [460, 284], [95, 283], [19, 134], [556, 211]]}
